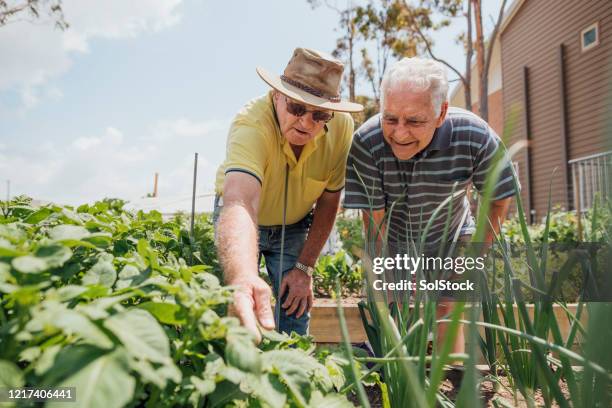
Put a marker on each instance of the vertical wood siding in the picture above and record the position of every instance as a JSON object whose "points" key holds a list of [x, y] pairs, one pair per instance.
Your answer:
{"points": [[532, 39]]}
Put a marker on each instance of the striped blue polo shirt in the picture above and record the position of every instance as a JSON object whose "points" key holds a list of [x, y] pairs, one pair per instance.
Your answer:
{"points": [[461, 152]]}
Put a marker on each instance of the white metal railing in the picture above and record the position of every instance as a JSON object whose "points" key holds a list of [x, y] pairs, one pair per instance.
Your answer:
{"points": [[591, 177]]}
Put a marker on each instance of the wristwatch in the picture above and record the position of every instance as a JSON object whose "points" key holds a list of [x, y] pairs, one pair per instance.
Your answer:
{"points": [[308, 270]]}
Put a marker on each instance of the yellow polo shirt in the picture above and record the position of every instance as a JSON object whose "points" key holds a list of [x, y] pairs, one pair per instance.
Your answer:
{"points": [[256, 146]]}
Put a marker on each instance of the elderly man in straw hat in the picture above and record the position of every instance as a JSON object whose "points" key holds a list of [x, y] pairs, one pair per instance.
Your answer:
{"points": [[278, 189]]}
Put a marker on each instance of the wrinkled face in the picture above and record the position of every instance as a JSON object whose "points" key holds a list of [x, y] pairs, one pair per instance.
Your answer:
{"points": [[298, 130], [409, 121]]}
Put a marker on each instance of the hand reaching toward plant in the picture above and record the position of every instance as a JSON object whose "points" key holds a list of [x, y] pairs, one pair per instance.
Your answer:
{"points": [[252, 304], [237, 246], [300, 297]]}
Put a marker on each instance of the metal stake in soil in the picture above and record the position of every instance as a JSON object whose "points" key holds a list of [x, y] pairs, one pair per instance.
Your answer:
{"points": [[195, 176]]}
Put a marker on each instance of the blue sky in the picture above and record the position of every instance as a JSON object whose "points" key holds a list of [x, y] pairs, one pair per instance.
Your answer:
{"points": [[137, 87]]}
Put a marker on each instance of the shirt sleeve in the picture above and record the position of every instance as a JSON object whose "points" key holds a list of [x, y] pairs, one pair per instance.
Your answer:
{"points": [[485, 161], [363, 188], [337, 179], [246, 151]]}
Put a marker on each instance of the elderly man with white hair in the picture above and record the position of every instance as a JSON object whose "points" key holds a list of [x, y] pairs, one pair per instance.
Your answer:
{"points": [[406, 160]]}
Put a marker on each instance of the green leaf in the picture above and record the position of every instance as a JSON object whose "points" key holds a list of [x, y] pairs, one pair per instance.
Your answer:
{"points": [[131, 276], [168, 313], [28, 294], [55, 255], [102, 273], [46, 359], [141, 335], [224, 393], [38, 216], [10, 375], [68, 232], [158, 376], [294, 368], [65, 362], [46, 257], [8, 288], [72, 243], [329, 400], [7, 249], [69, 292], [103, 383], [203, 387], [30, 264], [29, 354], [240, 352], [71, 216], [71, 321], [147, 253], [268, 388], [5, 271], [13, 233], [99, 239]]}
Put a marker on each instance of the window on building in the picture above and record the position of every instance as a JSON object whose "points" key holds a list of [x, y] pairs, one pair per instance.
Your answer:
{"points": [[589, 37]]}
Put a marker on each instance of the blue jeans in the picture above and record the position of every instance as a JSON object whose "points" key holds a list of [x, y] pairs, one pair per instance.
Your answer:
{"points": [[270, 248]]}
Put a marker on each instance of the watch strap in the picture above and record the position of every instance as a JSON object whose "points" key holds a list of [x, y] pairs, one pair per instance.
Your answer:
{"points": [[308, 270]]}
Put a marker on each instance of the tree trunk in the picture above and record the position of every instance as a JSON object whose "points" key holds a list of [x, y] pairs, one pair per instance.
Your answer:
{"points": [[469, 52], [480, 62], [351, 36]]}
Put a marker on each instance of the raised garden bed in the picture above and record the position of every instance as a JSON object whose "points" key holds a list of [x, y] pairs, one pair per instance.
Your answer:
{"points": [[324, 324]]}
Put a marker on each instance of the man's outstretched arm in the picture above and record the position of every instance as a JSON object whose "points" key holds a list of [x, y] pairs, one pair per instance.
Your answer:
{"points": [[238, 251]]}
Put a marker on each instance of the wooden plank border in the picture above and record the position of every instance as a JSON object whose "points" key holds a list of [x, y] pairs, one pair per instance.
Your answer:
{"points": [[325, 326]]}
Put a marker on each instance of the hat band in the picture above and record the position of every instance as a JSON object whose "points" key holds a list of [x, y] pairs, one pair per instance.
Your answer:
{"points": [[310, 90]]}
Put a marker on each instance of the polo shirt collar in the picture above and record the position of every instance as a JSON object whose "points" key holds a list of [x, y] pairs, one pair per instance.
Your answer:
{"points": [[308, 149]]}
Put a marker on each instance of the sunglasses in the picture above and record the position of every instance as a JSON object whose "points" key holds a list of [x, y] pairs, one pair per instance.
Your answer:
{"points": [[299, 110]]}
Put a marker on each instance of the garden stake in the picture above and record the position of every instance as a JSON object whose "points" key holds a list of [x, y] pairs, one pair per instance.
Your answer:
{"points": [[195, 175], [282, 251]]}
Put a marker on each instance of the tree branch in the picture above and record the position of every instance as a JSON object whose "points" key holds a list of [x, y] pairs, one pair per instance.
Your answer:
{"points": [[415, 28], [431, 54], [9, 12], [494, 35]]}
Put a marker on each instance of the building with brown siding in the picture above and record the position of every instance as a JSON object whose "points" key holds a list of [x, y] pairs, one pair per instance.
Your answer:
{"points": [[553, 59], [557, 69]]}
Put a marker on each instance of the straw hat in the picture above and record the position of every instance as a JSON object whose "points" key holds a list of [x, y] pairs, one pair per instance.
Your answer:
{"points": [[313, 78]]}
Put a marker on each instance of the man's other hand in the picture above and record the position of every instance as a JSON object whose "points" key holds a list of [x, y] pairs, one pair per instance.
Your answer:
{"points": [[300, 296], [252, 304]]}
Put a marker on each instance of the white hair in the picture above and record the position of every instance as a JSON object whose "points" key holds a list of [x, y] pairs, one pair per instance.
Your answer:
{"points": [[418, 74]]}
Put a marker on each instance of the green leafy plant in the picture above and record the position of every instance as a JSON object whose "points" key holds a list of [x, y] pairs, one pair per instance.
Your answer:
{"points": [[350, 231], [101, 299], [338, 266]]}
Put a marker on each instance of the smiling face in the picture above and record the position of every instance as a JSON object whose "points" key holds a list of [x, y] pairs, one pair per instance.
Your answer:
{"points": [[409, 121], [298, 130]]}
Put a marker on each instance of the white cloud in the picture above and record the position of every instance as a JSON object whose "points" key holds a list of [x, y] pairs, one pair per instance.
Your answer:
{"points": [[115, 164], [86, 143], [187, 128], [32, 54], [112, 136]]}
